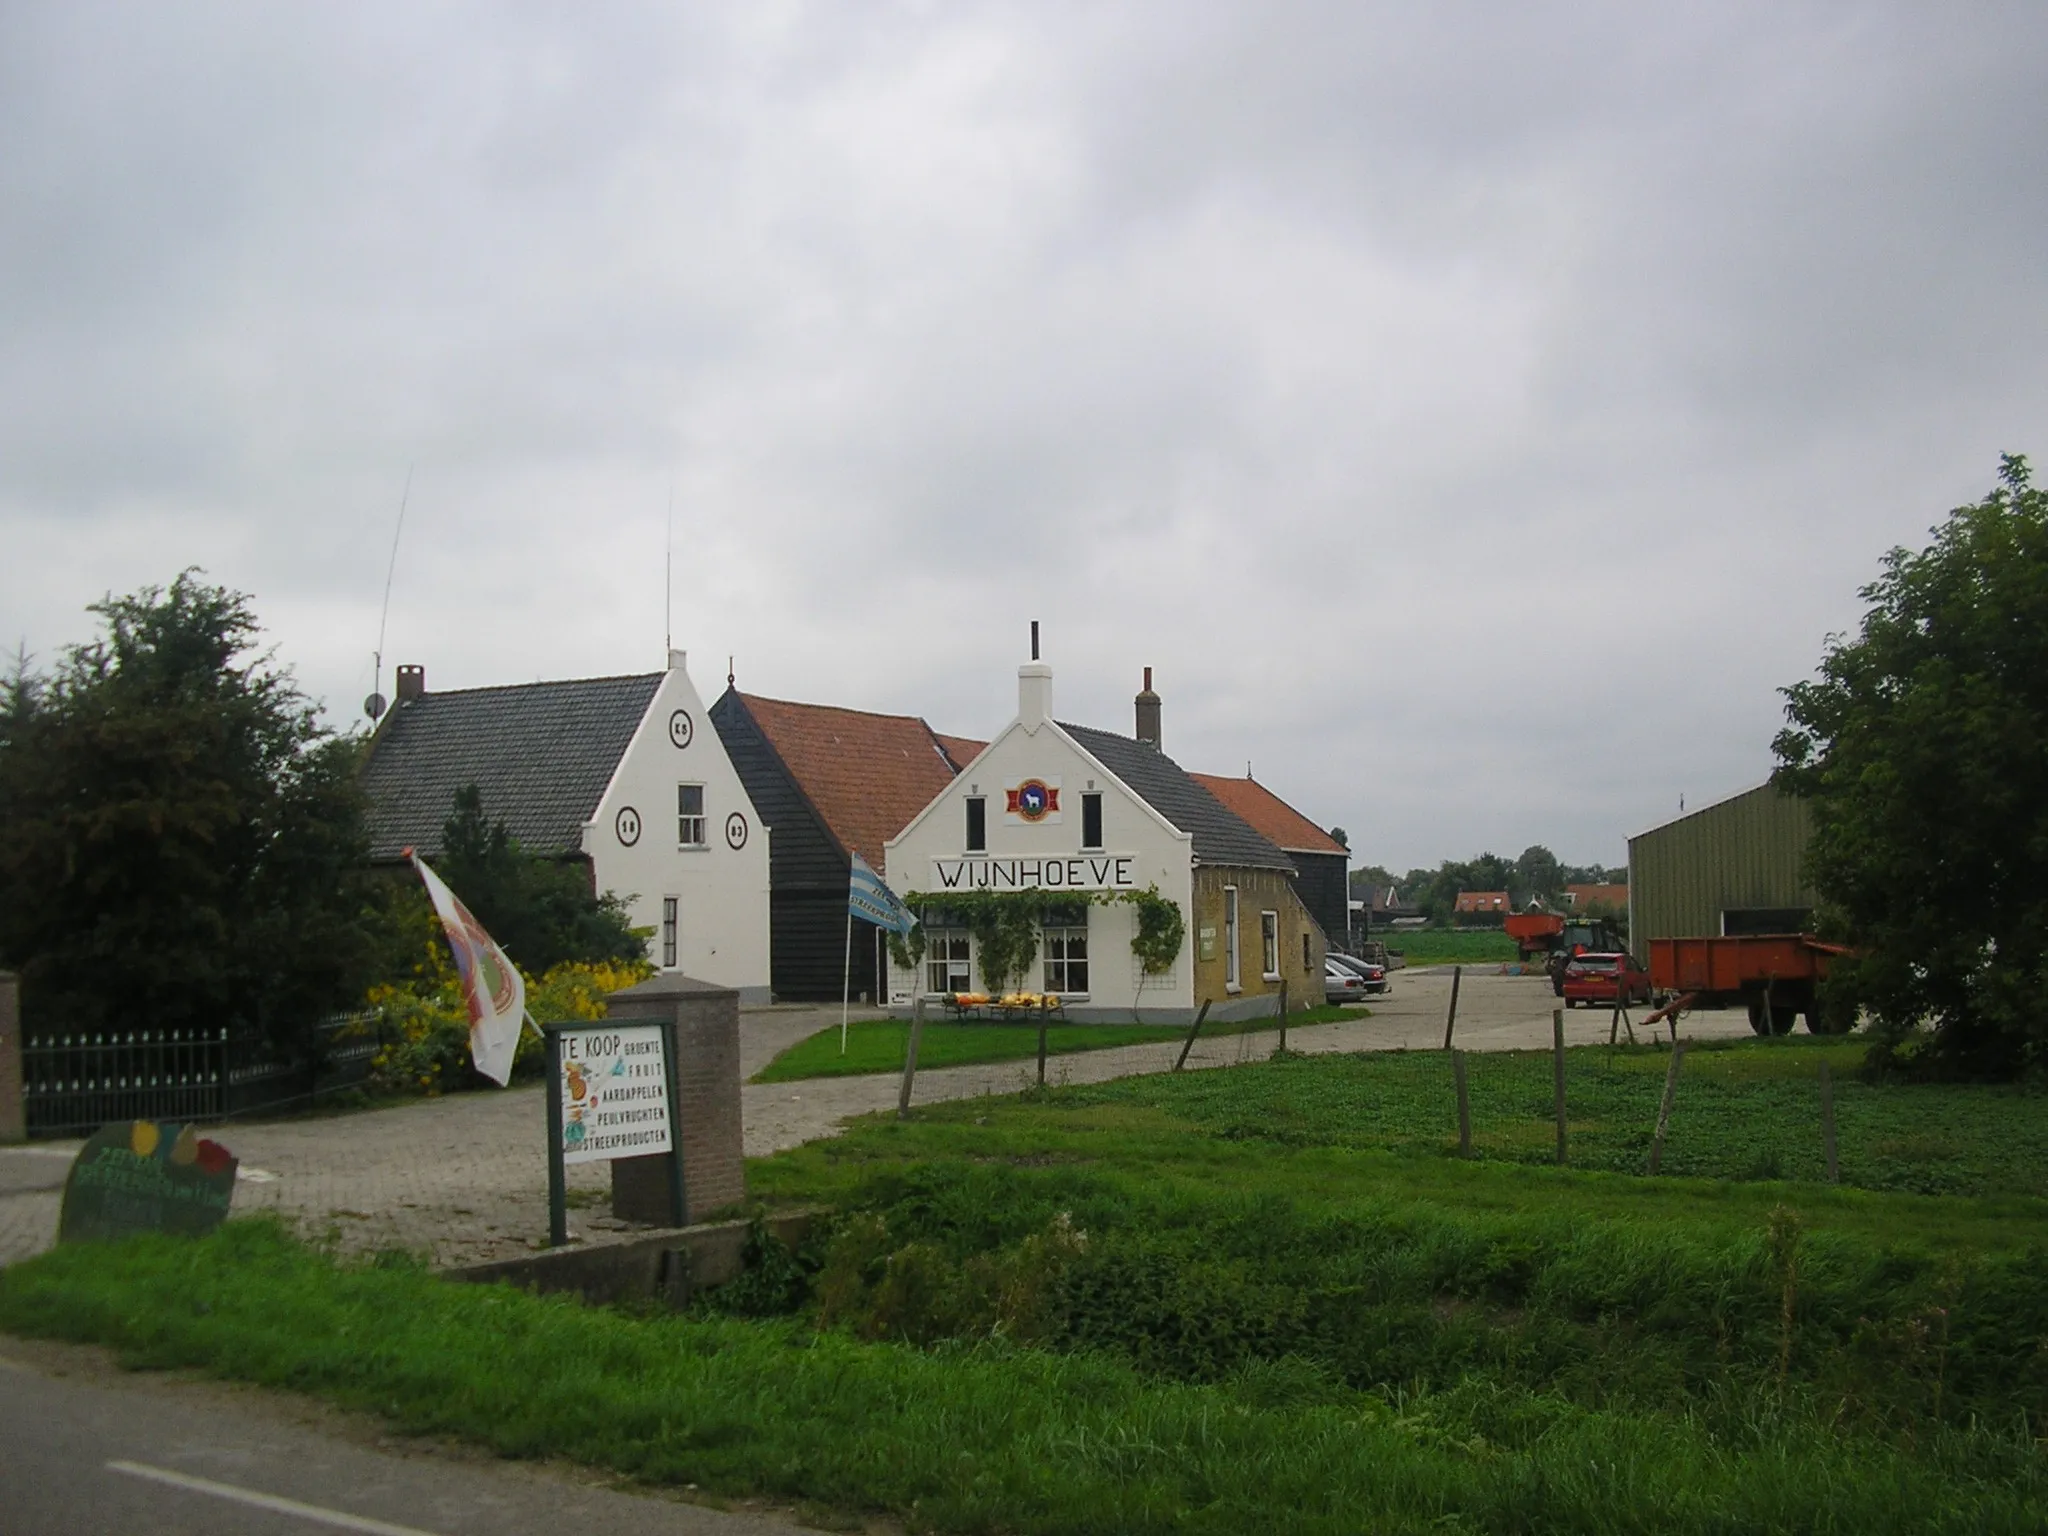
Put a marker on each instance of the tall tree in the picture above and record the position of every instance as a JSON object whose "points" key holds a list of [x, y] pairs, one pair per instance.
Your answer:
{"points": [[1537, 873], [1922, 747], [542, 911], [180, 840]]}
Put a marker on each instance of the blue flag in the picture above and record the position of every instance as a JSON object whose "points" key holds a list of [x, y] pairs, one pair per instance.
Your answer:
{"points": [[870, 900]]}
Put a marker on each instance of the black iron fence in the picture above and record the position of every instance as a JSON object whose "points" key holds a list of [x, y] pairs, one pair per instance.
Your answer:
{"points": [[73, 1083]]}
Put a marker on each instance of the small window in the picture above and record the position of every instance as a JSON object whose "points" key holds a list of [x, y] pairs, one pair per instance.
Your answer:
{"points": [[690, 815], [669, 922], [947, 967], [1230, 937], [977, 824], [1269, 945], [1066, 959], [1091, 820]]}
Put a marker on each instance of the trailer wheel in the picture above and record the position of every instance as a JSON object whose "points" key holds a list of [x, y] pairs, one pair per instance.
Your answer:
{"points": [[1829, 1021], [1759, 1016]]}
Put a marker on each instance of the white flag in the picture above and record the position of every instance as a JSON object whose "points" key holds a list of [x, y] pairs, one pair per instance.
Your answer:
{"points": [[491, 984]]}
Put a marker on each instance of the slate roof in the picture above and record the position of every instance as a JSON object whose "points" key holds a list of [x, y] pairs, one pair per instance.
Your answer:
{"points": [[540, 753], [1269, 815], [1221, 836], [865, 775]]}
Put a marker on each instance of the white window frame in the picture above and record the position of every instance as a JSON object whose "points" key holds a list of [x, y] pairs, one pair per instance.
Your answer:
{"points": [[1269, 945], [688, 824], [1064, 935], [1230, 970], [1093, 796], [937, 940], [671, 930]]}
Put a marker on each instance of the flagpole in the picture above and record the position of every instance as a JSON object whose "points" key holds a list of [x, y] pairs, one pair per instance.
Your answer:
{"points": [[846, 982]]}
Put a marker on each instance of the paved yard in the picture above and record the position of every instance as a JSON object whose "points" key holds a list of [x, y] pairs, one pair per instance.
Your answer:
{"points": [[465, 1178]]}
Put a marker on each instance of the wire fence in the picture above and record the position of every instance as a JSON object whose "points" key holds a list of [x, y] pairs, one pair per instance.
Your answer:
{"points": [[1741, 1114]]}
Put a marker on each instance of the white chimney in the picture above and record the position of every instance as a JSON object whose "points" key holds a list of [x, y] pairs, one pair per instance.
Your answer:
{"points": [[678, 661], [1034, 695]]}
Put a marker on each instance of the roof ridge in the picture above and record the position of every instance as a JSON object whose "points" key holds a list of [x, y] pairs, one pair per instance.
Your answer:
{"points": [[539, 682]]}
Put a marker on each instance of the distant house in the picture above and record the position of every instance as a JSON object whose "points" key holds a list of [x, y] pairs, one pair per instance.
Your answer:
{"points": [[1481, 907], [1610, 898], [1322, 864], [618, 773], [832, 783]]}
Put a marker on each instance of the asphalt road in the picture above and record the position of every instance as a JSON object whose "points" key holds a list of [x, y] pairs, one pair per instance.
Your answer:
{"points": [[87, 1449]]}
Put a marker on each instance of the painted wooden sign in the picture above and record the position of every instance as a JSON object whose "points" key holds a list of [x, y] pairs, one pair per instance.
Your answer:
{"points": [[614, 1087], [140, 1176]]}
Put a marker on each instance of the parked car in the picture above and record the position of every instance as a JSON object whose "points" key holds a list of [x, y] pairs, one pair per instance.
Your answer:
{"points": [[1340, 985], [1592, 980], [1373, 975]]}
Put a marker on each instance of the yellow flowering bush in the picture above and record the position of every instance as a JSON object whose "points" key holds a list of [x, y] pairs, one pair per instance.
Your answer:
{"points": [[426, 1023]]}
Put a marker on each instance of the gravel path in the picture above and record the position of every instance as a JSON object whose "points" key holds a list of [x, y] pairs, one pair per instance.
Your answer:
{"points": [[464, 1178]]}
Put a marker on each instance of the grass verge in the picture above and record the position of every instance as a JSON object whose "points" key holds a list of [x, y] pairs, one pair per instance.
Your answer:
{"points": [[991, 1436], [1451, 946], [879, 1045]]}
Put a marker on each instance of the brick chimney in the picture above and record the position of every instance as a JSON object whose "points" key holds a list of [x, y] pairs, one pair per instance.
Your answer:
{"points": [[1148, 713], [412, 683]]}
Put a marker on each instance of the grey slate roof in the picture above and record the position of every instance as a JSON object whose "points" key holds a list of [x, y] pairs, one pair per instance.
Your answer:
{"points": [[1221, 836], [540, 753]]}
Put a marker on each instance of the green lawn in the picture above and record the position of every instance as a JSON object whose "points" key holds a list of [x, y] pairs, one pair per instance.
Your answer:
{"points": [[878, 1045], [990, 1436], [1266, 1297], [1451, 946]]}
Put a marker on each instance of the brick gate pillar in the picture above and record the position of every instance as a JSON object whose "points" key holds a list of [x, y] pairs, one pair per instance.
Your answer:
{"points": [[704, 1042], [13, 1107]]}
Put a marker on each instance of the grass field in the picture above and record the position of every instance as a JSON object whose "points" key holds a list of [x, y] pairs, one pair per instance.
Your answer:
{"points": [[878, 1045], [1262, 1297], [1452, 946]]}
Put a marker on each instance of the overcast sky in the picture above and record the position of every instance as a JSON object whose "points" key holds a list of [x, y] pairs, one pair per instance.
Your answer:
{"points": [[1473, 413]]}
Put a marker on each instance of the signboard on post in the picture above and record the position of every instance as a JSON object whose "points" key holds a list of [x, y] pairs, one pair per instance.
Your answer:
{"points": [[611, 1093]]}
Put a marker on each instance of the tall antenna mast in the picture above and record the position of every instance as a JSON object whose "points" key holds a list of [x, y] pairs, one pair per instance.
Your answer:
{"points": [[373, 706], [668, 575]]}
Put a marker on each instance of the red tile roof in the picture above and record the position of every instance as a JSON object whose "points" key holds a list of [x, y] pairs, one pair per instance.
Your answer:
{"points": [[1268, 815], [866, 775], [960, 749], [1584, 898]]}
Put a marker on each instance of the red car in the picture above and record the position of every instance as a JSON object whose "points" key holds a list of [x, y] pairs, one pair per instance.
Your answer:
{"points": [[1593, 980]]}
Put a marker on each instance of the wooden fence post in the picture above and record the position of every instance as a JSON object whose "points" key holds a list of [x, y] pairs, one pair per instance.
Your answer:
{"points": [[1042, 1016], [1664, 1110], [1827, 1122], [1194, 1029], [1464, 1104], [1451, 1020], [1557, 1073], [1283, 1016], [910, 1059]]}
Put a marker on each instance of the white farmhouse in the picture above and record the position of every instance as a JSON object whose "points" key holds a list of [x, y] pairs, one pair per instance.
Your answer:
{"points": [[622, 773], [1074, 813]]}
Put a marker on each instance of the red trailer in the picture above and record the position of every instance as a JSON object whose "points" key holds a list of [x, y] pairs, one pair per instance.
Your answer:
{"points": [[1537, 933], [1776, 976]]}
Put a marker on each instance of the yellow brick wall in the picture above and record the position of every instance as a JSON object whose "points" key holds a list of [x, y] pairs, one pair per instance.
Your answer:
{"points": [[1258, 891]]}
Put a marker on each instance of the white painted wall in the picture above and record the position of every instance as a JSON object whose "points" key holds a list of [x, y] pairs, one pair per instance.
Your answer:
{"points": [[1033, 746], [722, 891]]}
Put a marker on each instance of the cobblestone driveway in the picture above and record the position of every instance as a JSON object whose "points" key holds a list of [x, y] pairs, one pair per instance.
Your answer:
{"points": [[464, 1178]]}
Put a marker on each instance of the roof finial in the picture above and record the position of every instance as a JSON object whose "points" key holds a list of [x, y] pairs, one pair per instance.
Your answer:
{"points": [[1034, 639], [728, 672]]}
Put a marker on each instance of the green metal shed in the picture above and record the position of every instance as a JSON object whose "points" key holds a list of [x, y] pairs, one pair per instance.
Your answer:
{"points": [[1737, 866]]}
